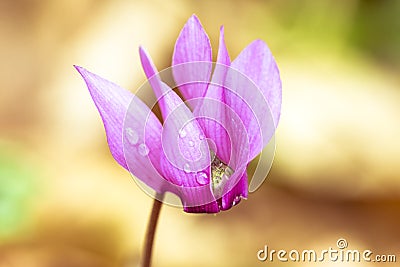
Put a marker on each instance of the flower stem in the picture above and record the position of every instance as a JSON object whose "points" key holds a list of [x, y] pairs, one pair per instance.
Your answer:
{"points": [[151, 231]]}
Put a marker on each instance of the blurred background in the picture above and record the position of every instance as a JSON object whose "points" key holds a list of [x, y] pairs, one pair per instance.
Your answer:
{"points": [[64, 201]]}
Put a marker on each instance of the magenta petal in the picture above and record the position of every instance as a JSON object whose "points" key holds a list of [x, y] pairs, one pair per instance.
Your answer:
{"points": [[113, 103], [224, 127], [167, 99], [183, 142], [256, 61], [223, 56], [196, 199], [236, 186], [210, 113], [238, 192], [212, 207], [186, 153], [192, 45], [142, 146], [255, 93]]}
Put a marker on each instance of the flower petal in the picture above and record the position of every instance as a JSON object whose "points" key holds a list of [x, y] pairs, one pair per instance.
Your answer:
{"points": [[255, 93], [223, 55], [224, 127], [192, 45], [210, 113], [116, 104], [112, 103], [239, 191], [211, 207], [256, 61]]}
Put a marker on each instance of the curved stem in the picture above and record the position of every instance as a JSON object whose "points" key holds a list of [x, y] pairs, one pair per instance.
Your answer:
{"points": [[151, 231]]}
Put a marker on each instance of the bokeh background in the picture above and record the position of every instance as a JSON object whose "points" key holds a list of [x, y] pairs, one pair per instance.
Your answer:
{"points": [[65, 202]]}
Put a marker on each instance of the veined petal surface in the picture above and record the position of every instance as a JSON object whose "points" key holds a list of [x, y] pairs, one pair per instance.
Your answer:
{"points": [[192, 45], [130, 146], [254, 92]]}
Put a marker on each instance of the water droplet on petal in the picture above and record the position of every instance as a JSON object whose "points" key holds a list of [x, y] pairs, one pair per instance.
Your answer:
{"points": [[202, 178], [182, 133], [186, 168], [201, 137], [191, 143], [132, 136], [143, 150], [236, 200]]}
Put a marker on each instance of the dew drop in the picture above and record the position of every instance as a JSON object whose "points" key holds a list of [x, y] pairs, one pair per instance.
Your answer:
{"points": [[143, 150], [202, 178], [132, 136], [186, 168], [191, 143], [201, 137], [236, 200], [182, 133]]}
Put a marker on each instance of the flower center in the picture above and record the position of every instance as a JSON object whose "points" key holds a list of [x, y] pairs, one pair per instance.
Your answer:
{"points": [[220, 174]]}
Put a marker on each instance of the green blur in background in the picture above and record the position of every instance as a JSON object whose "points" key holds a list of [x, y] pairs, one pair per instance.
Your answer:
{"points": [[65, 202], [17, 189]]}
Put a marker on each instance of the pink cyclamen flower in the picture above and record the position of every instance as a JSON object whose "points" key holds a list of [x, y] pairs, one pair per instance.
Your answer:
{"points": [[203, 147]]}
